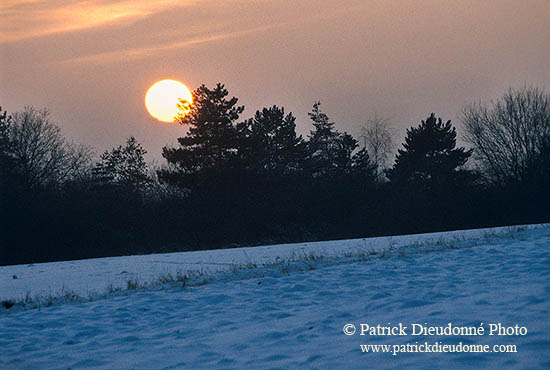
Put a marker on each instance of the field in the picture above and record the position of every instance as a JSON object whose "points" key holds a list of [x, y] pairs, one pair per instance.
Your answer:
{"points": [[286, 306]]}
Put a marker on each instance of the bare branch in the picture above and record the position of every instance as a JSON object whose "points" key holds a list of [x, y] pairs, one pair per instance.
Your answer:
{"points": [[378, 138], [508, 135]]}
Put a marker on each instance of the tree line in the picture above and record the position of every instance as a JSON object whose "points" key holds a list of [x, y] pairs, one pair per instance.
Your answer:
{"points": [[234, 182]]}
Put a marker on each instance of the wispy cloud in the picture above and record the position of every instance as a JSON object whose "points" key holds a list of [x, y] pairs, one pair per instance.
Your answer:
{"points": [[206, 36], [82, 30], [23, 19], [143, 52]]}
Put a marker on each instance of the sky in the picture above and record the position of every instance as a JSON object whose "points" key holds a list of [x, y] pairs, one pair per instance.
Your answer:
{"points": [[91, 62]]}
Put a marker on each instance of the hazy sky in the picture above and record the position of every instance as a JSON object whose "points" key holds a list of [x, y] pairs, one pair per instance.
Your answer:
{"points": [[91, 62]]}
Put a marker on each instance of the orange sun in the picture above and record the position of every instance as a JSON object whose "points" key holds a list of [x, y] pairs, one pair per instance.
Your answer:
{"points": [[163, 97]]}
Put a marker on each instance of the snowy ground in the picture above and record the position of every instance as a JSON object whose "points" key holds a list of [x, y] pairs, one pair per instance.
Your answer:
{"points": [[94, 276], [292, 317]]}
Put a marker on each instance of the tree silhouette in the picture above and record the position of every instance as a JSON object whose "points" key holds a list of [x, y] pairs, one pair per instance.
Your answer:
{"points": [[8, 174], [6, 145], [123, 166], [363, 168], [429, 155], [377, 137], [43, 157], [213, 139], [270, 142], [509, 136], [330, 152]]}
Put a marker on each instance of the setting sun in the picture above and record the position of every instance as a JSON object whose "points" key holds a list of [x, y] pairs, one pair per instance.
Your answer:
{"points": [[162, 99]]}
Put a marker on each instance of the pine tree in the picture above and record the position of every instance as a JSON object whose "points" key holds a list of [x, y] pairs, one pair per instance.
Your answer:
{"points": [[363, 168], [271, 143], [330, 152], [8, 175], [5, 141], [429, 155], [344, 158], [123, 166], [213, 139]]}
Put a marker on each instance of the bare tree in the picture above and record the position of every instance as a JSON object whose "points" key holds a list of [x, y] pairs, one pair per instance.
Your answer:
{"points": [[376, 137], [509, 135], [43, 156]]}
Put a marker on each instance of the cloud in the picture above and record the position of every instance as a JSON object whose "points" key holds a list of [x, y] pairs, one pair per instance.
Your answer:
{"points": [[210, 34], [143, 52], [35, 18], [72, 31]]}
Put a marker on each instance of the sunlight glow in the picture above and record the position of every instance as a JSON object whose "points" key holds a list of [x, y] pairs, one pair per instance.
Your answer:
{"points": [[162, 99], [23, 19]]}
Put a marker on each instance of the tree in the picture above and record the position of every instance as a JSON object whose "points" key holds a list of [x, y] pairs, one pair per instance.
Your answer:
{"points": [[213, 139], [509, 136], [330, 152], [42, 155], [377, 137], [429, 156], [271, 143], [124, 166], [6, 144], [7, 160], [363, 167]]}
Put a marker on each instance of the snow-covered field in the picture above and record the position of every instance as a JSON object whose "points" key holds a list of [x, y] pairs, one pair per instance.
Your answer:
{"points": [[286, 306]]}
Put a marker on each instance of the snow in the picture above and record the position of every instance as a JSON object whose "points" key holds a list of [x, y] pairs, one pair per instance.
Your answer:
{"points": [[92, 276], [291, 318]]}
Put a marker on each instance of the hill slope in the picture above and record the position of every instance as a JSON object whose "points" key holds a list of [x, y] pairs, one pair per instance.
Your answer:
{"points": [[265, 316]]}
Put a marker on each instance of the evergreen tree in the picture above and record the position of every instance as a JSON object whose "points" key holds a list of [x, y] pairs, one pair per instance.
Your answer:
{"points": [[213, 139], [6, 145], [344, 148], [429, 155], [271, 143], [7, 158], [363, 168], [330, 152], [123, 166]]}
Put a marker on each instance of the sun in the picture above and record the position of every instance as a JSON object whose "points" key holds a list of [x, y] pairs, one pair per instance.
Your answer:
{"points": [[162, 99]]}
